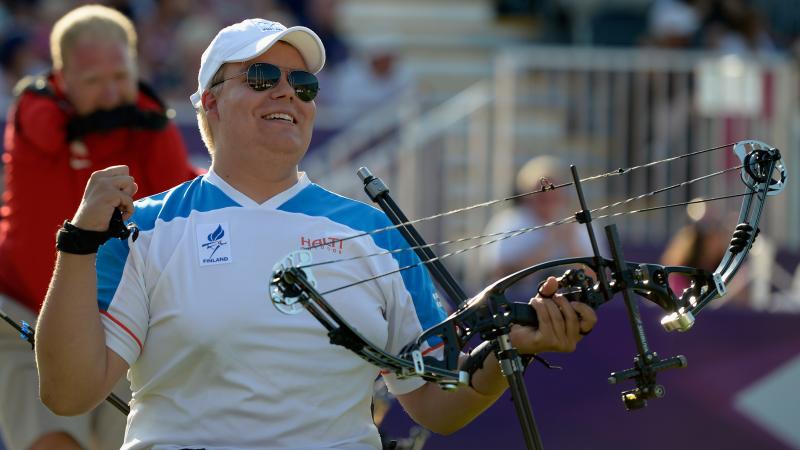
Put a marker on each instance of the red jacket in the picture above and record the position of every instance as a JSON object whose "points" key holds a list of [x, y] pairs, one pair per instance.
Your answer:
{"points": [[45, 180]]}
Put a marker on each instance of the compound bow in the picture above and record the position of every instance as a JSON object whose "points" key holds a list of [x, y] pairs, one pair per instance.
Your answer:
{"points": [[490, 315]]}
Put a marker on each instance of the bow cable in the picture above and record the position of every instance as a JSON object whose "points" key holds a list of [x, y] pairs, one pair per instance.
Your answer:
{"points": [[511, 233], [544, 188], [506, 235]]}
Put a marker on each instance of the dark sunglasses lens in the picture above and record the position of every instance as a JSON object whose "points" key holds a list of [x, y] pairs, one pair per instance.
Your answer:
{"points": [[305, 84], [262, 76]]}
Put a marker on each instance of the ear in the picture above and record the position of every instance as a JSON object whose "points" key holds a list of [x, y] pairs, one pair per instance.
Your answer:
{"points": [[209, 104], [58, 79]]}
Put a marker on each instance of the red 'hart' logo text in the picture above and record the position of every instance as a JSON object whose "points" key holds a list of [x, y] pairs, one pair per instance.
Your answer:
{"points": [[332, 244]]}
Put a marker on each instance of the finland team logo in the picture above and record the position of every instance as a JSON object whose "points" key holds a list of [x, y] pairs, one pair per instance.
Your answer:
{"points": [[214, 243]]}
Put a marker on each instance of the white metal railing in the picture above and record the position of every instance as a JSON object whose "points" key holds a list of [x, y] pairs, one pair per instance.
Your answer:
{"points": [[610, 108], [332, 161]]}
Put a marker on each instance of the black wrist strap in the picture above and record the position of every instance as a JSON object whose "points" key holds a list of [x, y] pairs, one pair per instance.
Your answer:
{"points": [[478, 355], [71, 239], [475, 359]]}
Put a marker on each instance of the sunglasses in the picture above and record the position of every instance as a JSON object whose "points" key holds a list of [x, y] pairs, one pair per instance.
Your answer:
{"points": [[262, 76]]}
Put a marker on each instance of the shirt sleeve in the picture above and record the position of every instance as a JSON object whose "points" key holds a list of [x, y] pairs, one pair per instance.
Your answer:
{"points": [[121, 296], [414, 307], [405, 327]]}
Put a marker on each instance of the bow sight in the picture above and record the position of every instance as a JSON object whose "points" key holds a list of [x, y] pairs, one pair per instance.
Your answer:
{"points": [[593, 280]]}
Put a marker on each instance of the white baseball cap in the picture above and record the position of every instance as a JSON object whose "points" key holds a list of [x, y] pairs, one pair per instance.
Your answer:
{"points": [[250, 38]]}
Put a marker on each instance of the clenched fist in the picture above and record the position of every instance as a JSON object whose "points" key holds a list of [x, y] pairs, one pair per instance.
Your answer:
{"points": [[110, 188]]}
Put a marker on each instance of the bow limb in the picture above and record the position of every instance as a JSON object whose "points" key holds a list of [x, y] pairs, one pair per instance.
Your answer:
{"points": [[763, 174]]}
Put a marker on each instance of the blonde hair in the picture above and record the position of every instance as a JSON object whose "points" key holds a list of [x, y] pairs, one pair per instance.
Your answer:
{"points": [[202, 121], [95, 21]]}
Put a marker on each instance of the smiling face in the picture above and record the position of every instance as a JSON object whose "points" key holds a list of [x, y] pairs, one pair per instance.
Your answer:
{"points": [[260, 132]]}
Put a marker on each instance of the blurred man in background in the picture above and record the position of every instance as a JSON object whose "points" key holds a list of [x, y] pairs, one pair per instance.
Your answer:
{"points": [[515, 253], [88, 113]]}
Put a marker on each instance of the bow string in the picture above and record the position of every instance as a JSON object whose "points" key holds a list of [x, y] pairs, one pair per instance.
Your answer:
{"points": [[547, 188]]}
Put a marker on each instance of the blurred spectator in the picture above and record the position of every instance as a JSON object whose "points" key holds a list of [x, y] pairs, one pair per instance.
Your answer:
{"points": [[160, 56], [20, 13], [555, 24], [517, 8], [17, 59], [701, 244], [322, 16], [87, 114], [363, 82], [569, 240], [795, 49], [728, 26], [674, 23], [735, 26], [174, 34], [191, 37], [354, 81]]}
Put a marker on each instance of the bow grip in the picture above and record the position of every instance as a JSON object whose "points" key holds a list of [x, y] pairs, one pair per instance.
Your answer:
{"points": [[524, 314]]}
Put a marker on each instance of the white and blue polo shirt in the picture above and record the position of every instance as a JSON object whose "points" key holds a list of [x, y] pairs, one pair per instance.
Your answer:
{"points": [[213, 363]]}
